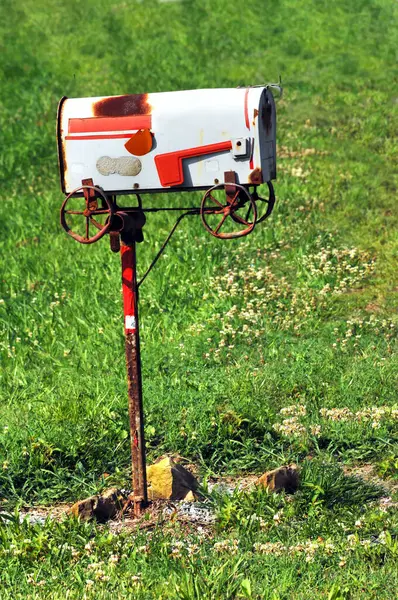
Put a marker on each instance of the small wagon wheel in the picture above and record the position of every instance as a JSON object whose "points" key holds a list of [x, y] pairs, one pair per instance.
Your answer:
{"points": [[90, 211], [237, 198]]}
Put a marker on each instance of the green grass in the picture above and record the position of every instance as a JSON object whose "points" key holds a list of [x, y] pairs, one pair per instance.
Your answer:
{"points": [[323, 542], [299, 313]]}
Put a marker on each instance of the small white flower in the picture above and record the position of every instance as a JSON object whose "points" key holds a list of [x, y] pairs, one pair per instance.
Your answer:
{"points": [[277, 517]]}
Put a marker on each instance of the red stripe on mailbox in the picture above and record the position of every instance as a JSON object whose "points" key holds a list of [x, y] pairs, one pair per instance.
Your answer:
{"points": [[247, 109], [102, 124], [169, 165], [99, 137]]}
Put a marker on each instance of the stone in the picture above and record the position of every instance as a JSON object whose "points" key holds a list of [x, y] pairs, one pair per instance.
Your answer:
{"points": [[168, 480], [189, 497], [102, 507], [84, 509], [108, 504], [284, 478]]}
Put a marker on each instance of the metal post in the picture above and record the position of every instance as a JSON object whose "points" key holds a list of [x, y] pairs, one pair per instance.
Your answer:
{"points": [[134, 382]]}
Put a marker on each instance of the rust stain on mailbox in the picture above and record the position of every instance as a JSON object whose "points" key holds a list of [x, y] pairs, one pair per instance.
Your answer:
{"points": [[116, 106], [62, 164], [255, 115], [256, 176]]}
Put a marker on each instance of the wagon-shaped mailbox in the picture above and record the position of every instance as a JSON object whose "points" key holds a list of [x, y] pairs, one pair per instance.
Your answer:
{"points": [[222, 141], [155, 142]]}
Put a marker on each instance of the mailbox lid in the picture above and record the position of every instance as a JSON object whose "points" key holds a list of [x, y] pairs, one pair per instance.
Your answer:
{"points": [[195, 132]]}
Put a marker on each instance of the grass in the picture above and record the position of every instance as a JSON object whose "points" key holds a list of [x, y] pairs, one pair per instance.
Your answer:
{"points": [[323, 542], [234, 334]]}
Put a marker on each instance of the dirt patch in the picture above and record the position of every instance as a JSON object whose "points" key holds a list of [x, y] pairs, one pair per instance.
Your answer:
{"points": [[368, 473], [39, 514], [200, 515]]}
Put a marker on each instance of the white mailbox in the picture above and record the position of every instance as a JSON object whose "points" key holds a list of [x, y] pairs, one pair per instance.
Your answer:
{"points": [[167, 141]]}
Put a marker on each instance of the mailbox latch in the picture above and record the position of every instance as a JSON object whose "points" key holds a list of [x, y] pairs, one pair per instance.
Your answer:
{"points": [[241, 147]]}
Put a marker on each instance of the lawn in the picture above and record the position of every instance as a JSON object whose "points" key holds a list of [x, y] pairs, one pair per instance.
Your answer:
{"points": [[277, 348]]}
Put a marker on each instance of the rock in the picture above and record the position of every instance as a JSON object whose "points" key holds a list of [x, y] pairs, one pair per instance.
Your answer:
{"points": [[167, 480], [108, 504], [102, 508], [190, 497], [283, 478], [84, 509]]}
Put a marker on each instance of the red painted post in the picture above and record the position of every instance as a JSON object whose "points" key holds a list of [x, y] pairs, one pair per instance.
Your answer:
{"points": [[134, 382]]}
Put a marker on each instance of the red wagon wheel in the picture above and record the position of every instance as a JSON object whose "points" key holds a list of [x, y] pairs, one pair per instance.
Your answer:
{"points": [[215, 212], [89, 213]]}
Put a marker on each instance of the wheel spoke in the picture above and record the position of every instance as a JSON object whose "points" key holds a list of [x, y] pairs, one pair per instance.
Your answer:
{"points": [[238, 219], [215, 200], [74, 212], [87, 227], [100, 211], [232, 201], [242, 221], [217, 229], [248, 212], [97, 224]]}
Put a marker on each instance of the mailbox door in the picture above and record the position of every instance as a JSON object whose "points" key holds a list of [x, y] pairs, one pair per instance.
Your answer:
{"points": [[267, 135]]}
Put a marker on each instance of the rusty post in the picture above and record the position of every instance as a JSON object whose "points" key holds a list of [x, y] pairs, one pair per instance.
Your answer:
{"points": [[134, 382]]}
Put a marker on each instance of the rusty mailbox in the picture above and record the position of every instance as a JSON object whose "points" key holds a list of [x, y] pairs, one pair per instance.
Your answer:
{"points": [[221, 141]]}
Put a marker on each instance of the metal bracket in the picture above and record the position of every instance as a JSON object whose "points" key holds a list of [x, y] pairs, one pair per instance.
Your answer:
{"points": [[89, 195], [230, 190]]}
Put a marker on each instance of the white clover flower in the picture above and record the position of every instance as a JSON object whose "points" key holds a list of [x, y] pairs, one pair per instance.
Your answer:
{"points": [[114, 558], [382, 537], [275, 548], [358, 523], [230, 546], [315, 430], [298, 410]]}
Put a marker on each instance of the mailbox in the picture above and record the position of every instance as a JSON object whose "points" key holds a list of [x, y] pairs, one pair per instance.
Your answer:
{"points": [[167, 141], [222, 141]]}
